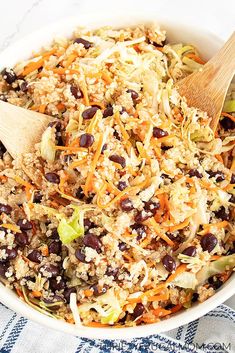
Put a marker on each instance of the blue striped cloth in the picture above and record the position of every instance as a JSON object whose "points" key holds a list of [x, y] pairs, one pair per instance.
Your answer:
{"points": [[213, 333]]}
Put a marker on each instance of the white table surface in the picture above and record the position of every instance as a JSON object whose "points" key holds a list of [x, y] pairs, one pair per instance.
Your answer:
{"points": [[20, 17]]}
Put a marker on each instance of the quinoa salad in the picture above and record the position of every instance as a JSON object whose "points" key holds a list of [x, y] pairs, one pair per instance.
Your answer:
{"points": [[124, 213]]}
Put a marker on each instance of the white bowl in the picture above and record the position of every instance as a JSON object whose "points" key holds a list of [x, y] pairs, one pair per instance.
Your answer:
{"points": [[185, 31]]}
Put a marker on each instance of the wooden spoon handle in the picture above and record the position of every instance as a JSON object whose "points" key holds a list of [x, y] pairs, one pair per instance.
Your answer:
{"points": [[20, 128], [221, 68]]}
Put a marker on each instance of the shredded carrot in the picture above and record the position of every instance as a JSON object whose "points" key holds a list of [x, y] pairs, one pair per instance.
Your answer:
{"points": [[120, 195], [63, 180], [94, 122], [70, 320], [31, 67], [64, 71], [128, 257], [93, 165], [70, 59], [121, 125], [219, 158], [151, 222], [97, 324], [45, 250], [179, 226], [20, 293], [228, 187], [3, 178], [218, 225], [158, 298], [76, 164], [160, 312], [182, 268], [28, 186], [176, 308], [164, 138], [215, 257], [146, 241], [106, 77], [195, 58], [60, 106], [42, 108], [71, 149], [230, 116], [88, 292], [12, 227], [36, 294], [83, 87]]}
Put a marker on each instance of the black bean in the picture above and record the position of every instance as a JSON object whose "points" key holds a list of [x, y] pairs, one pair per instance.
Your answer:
{"points": [[10, 253], [54, 247], [9, 75], [37, 197], [98, 291], [92, 241], [88, 224], [151, 207], [232, 180], [2, 149], [118, 159], [190, 251], [86, 140], [5, 208], [126, 205], [89, 113], [52, 178], [169, 263], [21, 239], [227, 124], [122, 246], [24, 224], [76, 92], [112, 271], [219, 176], [166, 148], [139, 228], [52, 270], [122, 185], [232, 199], [68, 292], [3, 269], [157, 132], [35, 256], [24, 86], [54, 234], [195, 297], [215, 282], [57, 285], [134, 94], [85, 42], [142, 216], [3, 97], [80, 256], [105, 146], [79, 193], [208, 242], [108, 112], [195, 172], [138, 311], [223, 214]]}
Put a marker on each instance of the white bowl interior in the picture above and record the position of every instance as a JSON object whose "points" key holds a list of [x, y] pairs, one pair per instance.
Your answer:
{"points": [[207, 44]]}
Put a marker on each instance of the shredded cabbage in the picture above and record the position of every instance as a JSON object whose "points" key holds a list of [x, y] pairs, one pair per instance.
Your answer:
{"points": [[48, 145], [186, 280], [72, 228], [225, 263], [229, 106]]}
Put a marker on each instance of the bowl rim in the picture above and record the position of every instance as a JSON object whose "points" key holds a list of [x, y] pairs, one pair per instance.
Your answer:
{"points": [[8, 297]]}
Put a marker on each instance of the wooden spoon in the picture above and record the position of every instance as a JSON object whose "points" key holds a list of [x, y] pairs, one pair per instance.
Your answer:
{"points": [[21, 128], [206, 89]]}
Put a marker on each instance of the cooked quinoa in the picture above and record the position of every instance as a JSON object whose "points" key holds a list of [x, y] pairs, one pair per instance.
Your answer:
{"points": [[123, 213]]}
